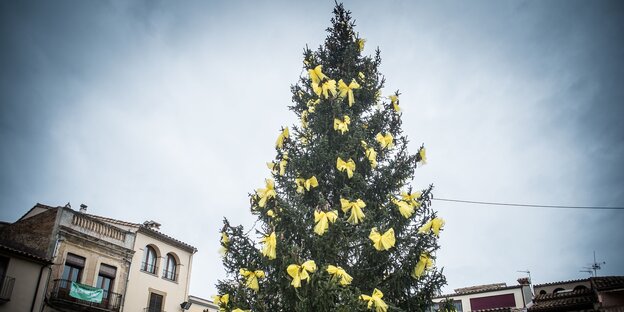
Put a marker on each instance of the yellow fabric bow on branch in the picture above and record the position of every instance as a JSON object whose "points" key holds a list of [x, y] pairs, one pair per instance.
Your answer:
{"points": [[360, 44], [316, 74], [305, 184], [283, 163], [342, 125], [266, 193], [251, 278], [394, 100], [356, 209], [329, 86], [323, 219], [348, 166], [382, 242], [340, 274], [240, 310], [221, 300], [405, 208], [224, 241], [371, 154], [411, 198], [423, 156], [433, 225], [312, 103], [347, 90], [270, 246], [375, 299], [386, 141], [272, 166], [423, 264], [281, 138], [300, 272]]}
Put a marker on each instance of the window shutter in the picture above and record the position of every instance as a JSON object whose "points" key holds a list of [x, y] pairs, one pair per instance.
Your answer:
{"points": [[74, 260]]}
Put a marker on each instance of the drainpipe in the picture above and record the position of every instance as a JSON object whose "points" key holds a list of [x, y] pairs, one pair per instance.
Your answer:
{"points": [[32, 306]]}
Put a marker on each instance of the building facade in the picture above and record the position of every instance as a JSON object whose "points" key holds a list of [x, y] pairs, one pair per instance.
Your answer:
{"points": [[604, 294], [497, 297], [69, 260]]}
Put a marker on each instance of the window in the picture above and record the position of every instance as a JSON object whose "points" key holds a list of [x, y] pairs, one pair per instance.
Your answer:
{"points": [[149, 260], [155, 303], [105, 279], [170, 271], [72, 272]]}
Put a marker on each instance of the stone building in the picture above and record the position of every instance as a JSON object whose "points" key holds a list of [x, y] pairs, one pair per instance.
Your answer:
{"points": [[603, 293], [59, 259], [490, 297]]}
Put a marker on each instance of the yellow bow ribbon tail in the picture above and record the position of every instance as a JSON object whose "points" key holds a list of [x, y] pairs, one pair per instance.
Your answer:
{"points": [[270, 246], [356, 209], [281, 138], [306, 184], [424, 263], [266, 193], [329, 86], [394, 100], [300, 272], [345, 90], [382, 242], [386, 141], [348, 166], [433, 225], [340, 274], [405, 208], [375, 300], [342, 125], [283, 163], [240, 310], [221, 300], [323, 219], [423, 156], [316, 74], [251, 278]]}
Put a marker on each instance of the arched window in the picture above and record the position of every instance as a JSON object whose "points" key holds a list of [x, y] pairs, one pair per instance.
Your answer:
{"points": [[542, 292], [149, 260], [171, 268], [558, 290]]}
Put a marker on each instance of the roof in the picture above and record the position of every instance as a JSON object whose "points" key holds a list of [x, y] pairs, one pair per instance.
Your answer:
{"points": [[25, 254], [562, 282], [477, 291], [566, 300], [604, 283], [167, 238]]}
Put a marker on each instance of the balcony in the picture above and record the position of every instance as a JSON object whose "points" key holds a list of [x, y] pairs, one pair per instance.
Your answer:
{"points": [[170, 275], [149, 267], [60, 297], [6, 288]]}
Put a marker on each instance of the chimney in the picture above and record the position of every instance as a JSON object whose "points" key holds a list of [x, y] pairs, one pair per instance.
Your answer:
{"points": [[524, 281], [83, 208]]}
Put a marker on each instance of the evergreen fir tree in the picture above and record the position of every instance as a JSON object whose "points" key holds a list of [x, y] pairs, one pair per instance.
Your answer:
{"points": [[340, 229]]}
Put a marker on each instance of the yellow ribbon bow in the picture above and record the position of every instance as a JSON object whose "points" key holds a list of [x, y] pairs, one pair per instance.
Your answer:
{"points": [[323, 219], [394, 100], [283, 163], [405, 208], [224, 241], [386, 141], [240, 310], [423, 264], [252, 278], [221, 300], [340, 274], [356, 209], [316, 74], [411, 198], [272, 166], [375, 299], [348, 166], [305, 184], [342, 125], [266, 193], [423, 156], [300, 272], [347, 90], [281, 138], [270, 246], [312, 104], [433, 225], [329, 86], [360, 44], [382, 242], [371, 154]]}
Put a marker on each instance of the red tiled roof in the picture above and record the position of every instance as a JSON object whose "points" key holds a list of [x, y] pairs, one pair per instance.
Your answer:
{"points": [[25, 254], [603, 283], [562, 301], [564, 282]]}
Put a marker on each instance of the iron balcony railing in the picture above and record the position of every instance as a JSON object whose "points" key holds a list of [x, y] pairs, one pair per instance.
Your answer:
{"points": [[6, 287], [60, 295], [149, 267], [170, 275]]}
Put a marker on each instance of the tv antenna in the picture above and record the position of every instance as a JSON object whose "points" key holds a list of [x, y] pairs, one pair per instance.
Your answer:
{"points": [[593, 269]]}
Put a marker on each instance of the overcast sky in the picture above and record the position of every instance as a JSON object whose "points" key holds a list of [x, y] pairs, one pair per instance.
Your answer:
{"points": [[169, 110]]}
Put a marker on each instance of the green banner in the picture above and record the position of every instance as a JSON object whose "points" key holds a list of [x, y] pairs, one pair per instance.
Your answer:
{"points": [[86, 293]]}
